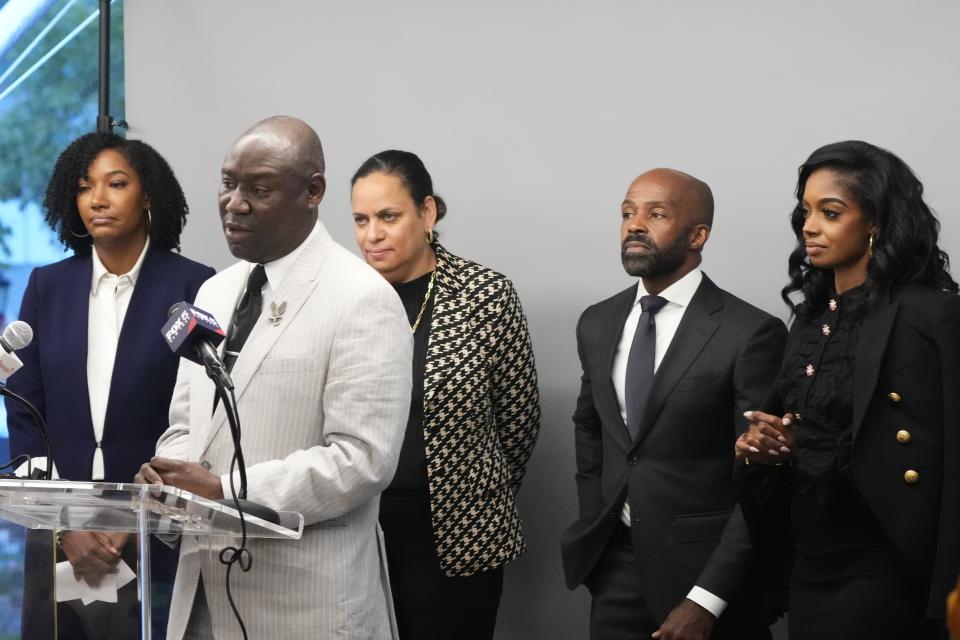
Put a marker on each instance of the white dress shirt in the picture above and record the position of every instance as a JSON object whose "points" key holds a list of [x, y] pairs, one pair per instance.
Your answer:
{"points": [[109, 300], [278, 269], [678, 296]]}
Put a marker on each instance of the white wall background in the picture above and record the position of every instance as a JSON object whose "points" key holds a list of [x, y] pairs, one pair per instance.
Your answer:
{"points": [[533, 117]]}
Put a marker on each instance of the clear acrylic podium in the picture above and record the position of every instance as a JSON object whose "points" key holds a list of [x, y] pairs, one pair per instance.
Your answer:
{"points": [[131, 508]]}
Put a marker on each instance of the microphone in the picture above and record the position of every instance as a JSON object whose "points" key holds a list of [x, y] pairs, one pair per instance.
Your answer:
{"points": [[194, 334], [17, 335]]}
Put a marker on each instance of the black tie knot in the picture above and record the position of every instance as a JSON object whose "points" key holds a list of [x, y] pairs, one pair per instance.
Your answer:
{"points": [[258, 278], [652, 304], [253, 296], [246, 315]]}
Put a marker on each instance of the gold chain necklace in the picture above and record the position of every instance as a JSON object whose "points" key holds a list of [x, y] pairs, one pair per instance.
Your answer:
{"points": [[423, 307]]}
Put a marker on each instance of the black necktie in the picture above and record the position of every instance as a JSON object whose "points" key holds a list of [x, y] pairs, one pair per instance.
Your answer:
{"points": [[246, 316], [640, 363]]}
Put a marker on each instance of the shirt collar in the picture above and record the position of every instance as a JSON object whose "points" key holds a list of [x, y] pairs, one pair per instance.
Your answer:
{"points": [[679, 293], [278, 269], [100, 272]]}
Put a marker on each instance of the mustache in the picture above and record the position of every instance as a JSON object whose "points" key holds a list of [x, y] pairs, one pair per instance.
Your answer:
{"points": [[642, 238]]}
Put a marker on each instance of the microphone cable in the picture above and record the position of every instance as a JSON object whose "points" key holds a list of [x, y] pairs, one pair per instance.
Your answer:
{"points": [[41, 426], [13, 464], [230, 556]]}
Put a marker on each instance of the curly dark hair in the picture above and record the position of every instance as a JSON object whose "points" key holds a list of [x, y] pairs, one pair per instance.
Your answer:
{"points": [[905, 249], [168, 207]]}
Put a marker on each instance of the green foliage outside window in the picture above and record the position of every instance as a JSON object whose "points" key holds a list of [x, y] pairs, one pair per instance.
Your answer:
{"points": [[56, 104]]}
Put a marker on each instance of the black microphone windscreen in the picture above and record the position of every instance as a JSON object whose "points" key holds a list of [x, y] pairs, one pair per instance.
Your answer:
{"points": [[186, 327]]}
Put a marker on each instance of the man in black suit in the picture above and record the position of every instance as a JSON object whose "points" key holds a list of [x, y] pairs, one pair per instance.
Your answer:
{"points": [[669, 367]]}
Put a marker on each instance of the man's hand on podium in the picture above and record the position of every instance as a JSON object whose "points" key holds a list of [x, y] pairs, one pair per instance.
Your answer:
{"points": [[189, 476], [93, 554]]}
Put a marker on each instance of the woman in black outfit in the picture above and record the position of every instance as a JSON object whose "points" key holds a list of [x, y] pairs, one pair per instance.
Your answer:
{"points": [[449, 516], [849, 478]]}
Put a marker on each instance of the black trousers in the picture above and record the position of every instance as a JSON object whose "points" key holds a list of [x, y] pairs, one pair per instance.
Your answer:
{"points": [[429, 604], [619, 609]]}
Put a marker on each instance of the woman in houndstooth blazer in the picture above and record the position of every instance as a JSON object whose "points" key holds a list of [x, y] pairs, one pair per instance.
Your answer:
{"points": [[449, 516]]}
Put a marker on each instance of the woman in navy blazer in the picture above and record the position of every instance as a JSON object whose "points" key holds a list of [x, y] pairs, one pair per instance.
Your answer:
{"points": [[118, 206]]}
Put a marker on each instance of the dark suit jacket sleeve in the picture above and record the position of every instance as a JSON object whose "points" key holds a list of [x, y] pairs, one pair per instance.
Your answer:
{"points": [[729, 567], [589, 442], [947, 563], [516, 399], [28, 381]]}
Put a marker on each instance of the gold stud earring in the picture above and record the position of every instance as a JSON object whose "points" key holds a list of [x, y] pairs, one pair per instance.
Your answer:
{"points": [[429, 236]]}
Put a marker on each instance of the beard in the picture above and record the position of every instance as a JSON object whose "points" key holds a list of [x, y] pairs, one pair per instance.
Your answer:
{"points": [[656, 262]]}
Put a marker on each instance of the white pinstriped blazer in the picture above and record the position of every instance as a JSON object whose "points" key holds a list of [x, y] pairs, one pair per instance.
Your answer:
{"points": [[323, 400]]}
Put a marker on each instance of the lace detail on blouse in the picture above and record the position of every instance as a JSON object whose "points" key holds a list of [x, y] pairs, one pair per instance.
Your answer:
{"points": [[817, 384]]}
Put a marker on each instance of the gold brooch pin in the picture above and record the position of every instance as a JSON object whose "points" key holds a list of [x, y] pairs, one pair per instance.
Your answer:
{"points": [[276, 312]]}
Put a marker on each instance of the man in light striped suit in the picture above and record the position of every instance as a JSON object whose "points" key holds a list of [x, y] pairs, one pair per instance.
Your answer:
{"points": [[323, 389]]}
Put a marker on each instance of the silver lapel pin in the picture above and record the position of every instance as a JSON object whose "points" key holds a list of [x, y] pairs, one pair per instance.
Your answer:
{"points": [[276, 312]]}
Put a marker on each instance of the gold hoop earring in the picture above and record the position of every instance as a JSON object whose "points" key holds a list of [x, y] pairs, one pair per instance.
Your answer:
{"points": [[870, 246], [429, 236]]}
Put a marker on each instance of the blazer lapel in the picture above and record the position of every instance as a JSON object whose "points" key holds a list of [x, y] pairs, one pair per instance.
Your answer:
{"points": [[74, 333], [220, 302], [448, 331], [131, 332], [695, 330], [294, 290], [871, 345], [130, 342], [612, 332]]}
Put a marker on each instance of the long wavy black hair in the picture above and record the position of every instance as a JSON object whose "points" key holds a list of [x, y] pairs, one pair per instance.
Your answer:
{"points": [[168, 207], [905, 249]]}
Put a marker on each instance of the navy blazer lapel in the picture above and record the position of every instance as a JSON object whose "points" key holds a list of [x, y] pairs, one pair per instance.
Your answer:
{"points": [[138, 318], [871, 345], [696, 328], [73, 329], [611, 333]]}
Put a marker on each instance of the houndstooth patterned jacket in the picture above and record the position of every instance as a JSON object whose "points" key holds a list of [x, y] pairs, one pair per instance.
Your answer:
{"points": [[481, 415]]}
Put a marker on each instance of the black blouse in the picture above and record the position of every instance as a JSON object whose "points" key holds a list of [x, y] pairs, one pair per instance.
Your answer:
{"points": [[834, 529], [817, 385], [412, 468]]}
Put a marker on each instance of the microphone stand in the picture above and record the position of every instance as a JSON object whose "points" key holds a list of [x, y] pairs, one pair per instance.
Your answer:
{"points": [[240, 555], [47, 474], [105, 122], [238, 501]]}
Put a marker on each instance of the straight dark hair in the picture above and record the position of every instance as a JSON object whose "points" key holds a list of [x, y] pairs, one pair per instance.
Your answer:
{"points": [[409, 168], [905, 249]]}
